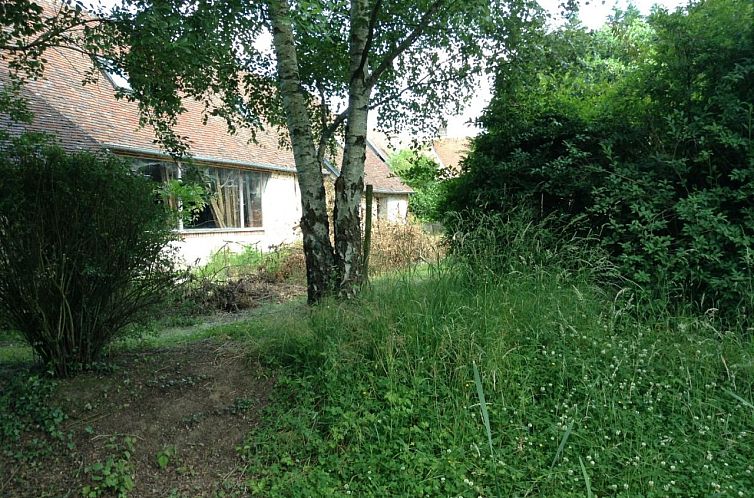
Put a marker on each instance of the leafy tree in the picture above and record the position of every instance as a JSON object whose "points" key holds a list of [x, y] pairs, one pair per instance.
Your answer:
{"points": [[641, 130], [332, 62], [422, 174], [28, 29]]}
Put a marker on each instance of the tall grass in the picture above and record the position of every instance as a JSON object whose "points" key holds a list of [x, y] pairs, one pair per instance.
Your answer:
{"points": [[281, 263], [573, 395]]}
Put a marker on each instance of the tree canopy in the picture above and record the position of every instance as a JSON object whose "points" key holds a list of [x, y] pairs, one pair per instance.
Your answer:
{"points": [[332, 63], [642, 130]]}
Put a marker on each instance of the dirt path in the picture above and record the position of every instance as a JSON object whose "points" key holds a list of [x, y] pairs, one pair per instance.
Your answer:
{"points": [[191, 405]]}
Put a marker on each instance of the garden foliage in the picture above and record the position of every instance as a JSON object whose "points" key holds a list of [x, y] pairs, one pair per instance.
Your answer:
{"points": [[82, 251], [423, 175], [643, 132], [495, 374]]}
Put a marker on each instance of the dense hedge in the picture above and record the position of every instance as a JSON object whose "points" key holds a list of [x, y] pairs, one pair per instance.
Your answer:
{"points": [[644, 132], [82, 251]]}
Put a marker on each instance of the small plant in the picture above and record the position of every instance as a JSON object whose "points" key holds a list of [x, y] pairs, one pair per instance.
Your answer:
{"points": [[30, 424], [115, 475], [165, 456], [240, 406]]}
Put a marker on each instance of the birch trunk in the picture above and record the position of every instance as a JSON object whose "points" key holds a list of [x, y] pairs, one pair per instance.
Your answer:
{"points": [[350, 184], [318, 250]]}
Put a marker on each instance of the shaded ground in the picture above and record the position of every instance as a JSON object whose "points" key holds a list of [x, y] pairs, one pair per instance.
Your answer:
{"points": [[193, 404]]}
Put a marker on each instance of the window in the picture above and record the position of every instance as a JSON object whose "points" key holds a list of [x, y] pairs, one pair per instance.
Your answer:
{"points": [[234, 197]]}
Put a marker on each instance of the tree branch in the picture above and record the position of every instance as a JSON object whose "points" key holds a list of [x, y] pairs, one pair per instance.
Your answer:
{"points": [[422, 82], [327, 133], [44, 39], [405, 43], [324, 112]]}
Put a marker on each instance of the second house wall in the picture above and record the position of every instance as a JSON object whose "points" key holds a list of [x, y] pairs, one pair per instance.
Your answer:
{"points": [[388, 207], [392, 207]]}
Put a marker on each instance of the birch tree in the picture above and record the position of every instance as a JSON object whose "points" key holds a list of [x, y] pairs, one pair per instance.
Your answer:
{"points": [[333, 62]]}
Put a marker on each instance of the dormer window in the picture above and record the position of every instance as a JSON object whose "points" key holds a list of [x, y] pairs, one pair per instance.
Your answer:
{"points": [[117, 76]]}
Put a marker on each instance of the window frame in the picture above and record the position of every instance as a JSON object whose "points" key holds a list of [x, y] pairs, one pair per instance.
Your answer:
{"points": [[237, 178]]}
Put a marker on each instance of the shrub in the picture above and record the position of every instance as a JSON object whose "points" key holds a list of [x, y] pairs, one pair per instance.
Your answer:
{"points": [[424, 176], [82, 251], [643, 131]]}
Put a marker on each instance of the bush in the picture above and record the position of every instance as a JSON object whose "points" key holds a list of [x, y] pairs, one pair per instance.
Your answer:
{"points": [[643, 131], [424, 176], [82, 251]]}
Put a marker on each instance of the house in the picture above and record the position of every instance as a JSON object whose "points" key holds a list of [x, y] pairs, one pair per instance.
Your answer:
{"points": [[449, 153], [255, 197]]}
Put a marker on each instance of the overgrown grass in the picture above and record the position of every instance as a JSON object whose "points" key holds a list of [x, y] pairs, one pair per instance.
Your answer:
{"points": [[510, 372], [283, 263], [378, 397]]}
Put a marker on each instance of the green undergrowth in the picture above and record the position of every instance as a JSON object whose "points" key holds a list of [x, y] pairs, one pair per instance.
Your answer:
{"points": [[575, 396], [31, 424], [226, 264]]}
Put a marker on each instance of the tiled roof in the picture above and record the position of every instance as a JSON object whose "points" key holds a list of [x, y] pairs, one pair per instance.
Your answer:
{"points": [[450, 152], [90, 117], [378, 173]]}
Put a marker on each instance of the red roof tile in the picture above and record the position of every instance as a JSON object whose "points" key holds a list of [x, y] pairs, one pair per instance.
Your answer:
{"points": [[90, 117], [450, 152]]}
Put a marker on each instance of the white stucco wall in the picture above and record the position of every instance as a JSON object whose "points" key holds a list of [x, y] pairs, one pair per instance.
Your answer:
{"points": [[397, 207], [281, 212], [393, 207], [388, 207]]}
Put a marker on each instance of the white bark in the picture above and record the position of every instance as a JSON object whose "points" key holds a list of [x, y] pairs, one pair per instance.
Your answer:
{"points": [[314, 222], [350, 184]]}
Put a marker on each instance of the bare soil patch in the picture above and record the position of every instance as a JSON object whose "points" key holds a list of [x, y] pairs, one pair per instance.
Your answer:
{"points": [[194, 402]]}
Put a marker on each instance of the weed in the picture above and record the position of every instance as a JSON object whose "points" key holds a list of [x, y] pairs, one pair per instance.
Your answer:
{"points": [[30, 424], [279, 264], [402, 245], [240, 406], [164, 456], [116, 474], [166, 382], [193, 419]]}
